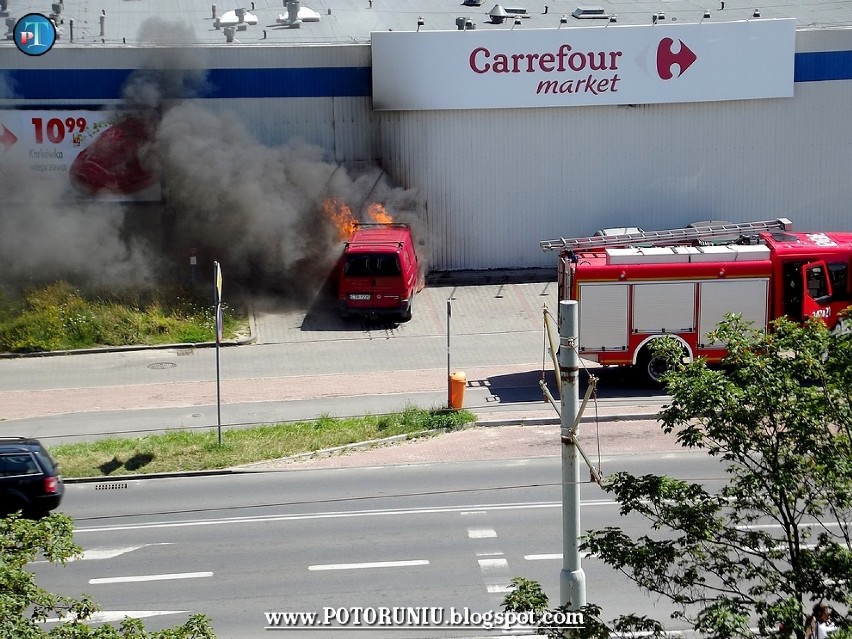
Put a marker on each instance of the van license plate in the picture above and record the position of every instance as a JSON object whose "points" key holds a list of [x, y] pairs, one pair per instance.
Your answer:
{"points": [[359, 296]]}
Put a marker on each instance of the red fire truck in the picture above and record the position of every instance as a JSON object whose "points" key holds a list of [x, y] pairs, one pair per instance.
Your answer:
{"points": [[636, 287]]}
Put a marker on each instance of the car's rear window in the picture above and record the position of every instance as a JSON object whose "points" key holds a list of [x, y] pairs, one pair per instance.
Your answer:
{"points": [[372, 265], [16, 464]]}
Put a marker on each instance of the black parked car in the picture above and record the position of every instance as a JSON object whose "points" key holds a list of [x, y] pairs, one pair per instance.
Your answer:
{"points": [[29, 478]]}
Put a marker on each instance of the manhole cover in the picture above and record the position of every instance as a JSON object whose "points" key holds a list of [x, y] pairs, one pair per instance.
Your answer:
{"points": [[159, 365]]}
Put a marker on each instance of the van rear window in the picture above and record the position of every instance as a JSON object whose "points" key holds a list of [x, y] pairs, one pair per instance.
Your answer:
{"points": [[372, 265]]}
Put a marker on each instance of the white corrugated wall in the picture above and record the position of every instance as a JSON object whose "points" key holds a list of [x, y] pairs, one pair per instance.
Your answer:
{"points": [[497, 182]]}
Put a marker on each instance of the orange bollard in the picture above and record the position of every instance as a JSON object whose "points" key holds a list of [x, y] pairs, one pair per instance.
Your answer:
{"points": [[458, 382]]}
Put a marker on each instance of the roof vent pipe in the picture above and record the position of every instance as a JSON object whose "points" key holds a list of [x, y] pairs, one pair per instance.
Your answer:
{"points": [[229, 34], [241, 14], [4, 8], [498, 14], [71, 29], [103, 21], [214, 11], [56, 13], [293, 7]]}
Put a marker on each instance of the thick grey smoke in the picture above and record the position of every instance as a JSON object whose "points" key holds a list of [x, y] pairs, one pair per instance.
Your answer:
{"points": [[257, 210], [7, 87], [47, 234]]}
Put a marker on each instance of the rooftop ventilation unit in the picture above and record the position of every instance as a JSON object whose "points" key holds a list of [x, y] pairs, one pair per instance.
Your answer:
{"points": [[516, 10], [237, 18], [498, 14], [590, 13], [297, 14], [473, 3]]}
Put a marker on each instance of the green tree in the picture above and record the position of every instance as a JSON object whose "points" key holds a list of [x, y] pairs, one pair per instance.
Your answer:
{"points": [[753, 557], [24, 606]]}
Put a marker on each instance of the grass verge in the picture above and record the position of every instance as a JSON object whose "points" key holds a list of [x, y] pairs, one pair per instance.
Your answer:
{"points": [[183, 451], [61, 317]]}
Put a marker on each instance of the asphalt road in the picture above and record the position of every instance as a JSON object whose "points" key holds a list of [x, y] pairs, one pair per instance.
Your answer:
{"points": [[434, 534], [442, 535]]}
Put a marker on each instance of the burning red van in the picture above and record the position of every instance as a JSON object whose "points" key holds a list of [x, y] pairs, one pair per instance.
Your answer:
{"points": [[378, 273]]}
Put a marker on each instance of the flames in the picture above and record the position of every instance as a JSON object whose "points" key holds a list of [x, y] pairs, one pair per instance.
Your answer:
{"points": [[340, 215], [378, 214]]}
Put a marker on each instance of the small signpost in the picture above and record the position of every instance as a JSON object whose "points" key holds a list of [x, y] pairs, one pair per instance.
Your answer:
{"points": [[217, 299]]}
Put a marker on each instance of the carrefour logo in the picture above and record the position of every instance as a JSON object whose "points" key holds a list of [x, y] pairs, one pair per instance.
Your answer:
{"points": [[667, 59], [34, 34]]}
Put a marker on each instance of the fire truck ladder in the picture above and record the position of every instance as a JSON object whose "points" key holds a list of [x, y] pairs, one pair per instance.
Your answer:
{"points": [[665, 238]]}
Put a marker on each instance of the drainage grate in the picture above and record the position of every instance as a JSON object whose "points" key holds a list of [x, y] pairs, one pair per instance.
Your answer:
{"points": [[113, 485], [161, 365]]}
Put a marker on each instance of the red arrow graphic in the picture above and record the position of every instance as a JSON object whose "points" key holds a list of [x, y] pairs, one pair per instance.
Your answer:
{"points": [[666, 58], [7, 138]]}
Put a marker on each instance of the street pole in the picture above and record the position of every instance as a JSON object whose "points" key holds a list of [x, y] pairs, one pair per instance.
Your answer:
{"points": [[449, 370], [217, 294], [572, 579]]}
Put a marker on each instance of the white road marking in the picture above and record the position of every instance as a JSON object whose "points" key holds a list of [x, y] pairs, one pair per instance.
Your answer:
{"points": [[490, 554], [105, 553], [132, 579], [109, 616], [481, 533], [331, 515], [498, 588], [556, 555], [371, 564], [109, 553], [493, 565]]}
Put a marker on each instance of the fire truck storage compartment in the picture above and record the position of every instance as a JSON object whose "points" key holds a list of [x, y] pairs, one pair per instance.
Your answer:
{"points": [[603, 316], [663, 307], [748, 297]]}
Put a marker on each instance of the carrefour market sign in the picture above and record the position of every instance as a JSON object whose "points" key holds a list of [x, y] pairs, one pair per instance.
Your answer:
{"points": [[510, 68]]}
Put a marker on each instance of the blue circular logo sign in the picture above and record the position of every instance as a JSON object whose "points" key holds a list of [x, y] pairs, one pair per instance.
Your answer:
{"points": [[34, 34]]}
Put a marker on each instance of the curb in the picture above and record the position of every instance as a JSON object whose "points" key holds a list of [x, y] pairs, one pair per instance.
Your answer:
{"points": [[123, 349], [355, 446]]}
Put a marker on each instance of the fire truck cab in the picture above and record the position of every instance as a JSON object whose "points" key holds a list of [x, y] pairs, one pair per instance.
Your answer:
{"points": [[682, 284]]}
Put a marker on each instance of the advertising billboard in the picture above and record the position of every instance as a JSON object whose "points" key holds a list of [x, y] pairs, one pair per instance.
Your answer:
{"points": [[585, 66], [106, 155]]}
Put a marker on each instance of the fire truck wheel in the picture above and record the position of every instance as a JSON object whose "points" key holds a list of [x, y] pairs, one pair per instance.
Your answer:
{"points": [[651, 367]]}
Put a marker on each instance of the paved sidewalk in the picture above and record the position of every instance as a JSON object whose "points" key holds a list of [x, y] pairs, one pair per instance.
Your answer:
{"points": [[501, 440], [497, 340]]}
